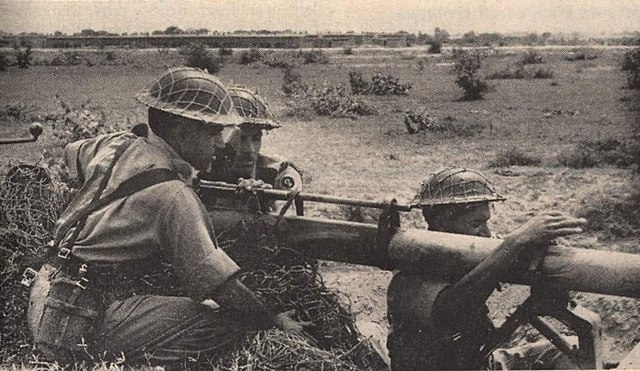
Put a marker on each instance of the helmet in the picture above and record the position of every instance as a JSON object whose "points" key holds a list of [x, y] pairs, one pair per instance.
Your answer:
{"points": [[456, 186], [191, 93], [253, 109]]}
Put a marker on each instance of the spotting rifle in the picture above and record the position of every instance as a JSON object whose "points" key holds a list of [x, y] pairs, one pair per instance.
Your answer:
{"points": [[448, 256]]}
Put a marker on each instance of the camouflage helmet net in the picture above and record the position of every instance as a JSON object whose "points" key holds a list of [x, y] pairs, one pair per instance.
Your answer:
{"points": [[456, 186], [191, 93], [253, 109]]}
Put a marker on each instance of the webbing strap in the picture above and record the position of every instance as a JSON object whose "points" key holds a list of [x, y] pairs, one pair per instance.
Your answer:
{"points": [[130, 186]]}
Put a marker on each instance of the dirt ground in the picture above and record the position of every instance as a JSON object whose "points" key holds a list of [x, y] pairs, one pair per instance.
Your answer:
{"points": [[374, 158]]}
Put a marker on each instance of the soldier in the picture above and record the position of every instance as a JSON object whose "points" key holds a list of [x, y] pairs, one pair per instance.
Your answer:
{"points": [[240, 159], [438, 324], [134, 216]]}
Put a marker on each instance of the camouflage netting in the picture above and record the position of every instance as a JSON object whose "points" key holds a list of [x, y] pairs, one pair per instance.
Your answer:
{"points": [[29, 206], [287, 280]]}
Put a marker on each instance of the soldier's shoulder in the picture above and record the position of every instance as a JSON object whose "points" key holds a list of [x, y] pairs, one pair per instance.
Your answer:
{"points": [[277, 163]]}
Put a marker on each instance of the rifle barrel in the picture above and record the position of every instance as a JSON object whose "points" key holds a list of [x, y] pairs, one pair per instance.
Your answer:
{"points": [[18, 140], [277, 194]]}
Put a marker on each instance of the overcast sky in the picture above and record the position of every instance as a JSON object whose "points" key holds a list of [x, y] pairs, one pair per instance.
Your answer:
{"points": [[456, 16]]}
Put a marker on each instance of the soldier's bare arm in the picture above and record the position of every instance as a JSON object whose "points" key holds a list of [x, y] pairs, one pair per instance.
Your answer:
{"points": [[476, 286]]}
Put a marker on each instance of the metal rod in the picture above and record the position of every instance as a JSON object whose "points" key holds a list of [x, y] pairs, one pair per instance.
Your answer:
{"points": [[311, 197], [18, 140]]}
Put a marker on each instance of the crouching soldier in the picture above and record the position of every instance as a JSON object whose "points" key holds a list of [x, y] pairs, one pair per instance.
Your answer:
{"points": [[240, 160], [438, 324], [135, 217]]}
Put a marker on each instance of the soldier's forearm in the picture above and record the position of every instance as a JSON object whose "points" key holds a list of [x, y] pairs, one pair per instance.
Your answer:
{"points": [[476, 286], [236, 296]]}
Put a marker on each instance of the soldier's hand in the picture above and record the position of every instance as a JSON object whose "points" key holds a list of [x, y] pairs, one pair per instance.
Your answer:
{"points": [[540, 230], [285, 322], [252, 184]]}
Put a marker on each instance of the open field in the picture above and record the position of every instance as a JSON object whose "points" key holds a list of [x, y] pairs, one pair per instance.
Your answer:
{"points": [[374, 157]]}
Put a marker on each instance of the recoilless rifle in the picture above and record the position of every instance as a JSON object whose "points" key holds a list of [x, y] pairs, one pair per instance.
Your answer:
{"points": [[447, 256]]}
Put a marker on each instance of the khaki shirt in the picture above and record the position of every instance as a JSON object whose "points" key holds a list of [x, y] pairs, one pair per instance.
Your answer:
{"points": [[166, 220]]}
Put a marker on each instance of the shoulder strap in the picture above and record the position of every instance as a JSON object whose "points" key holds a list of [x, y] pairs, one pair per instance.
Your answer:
{"points": [[130, 186]]}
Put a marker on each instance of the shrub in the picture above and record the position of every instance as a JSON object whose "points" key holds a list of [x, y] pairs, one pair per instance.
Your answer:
{"points": [[358, 84], [250, 56], [379, 85], [514, 156], [631, 65], [280, 59], [4, 62], [292, 81], [612, 210], [416, 122], [347, 50], [580, 55], [532, 57], [334, 101], [24, 57], [543, 73], [603, 152], [67, 58], [198, 55], [514, 71], [313, 56], [466, 67], [225, 52]]}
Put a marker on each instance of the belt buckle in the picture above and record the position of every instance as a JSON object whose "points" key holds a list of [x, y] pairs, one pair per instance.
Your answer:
{"points": [[64, 253], [28, 276]]}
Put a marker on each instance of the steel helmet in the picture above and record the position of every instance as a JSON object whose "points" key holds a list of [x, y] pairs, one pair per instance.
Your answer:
{"points": [[191, 93], [253, 109], [456, 186]]}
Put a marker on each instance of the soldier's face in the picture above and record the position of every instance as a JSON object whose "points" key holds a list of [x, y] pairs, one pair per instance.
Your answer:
{"points": [[471, 221], [247, 146], [198, 144]]}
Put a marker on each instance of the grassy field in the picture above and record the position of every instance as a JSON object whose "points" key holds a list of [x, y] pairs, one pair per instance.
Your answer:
{"points": [[373, 156]]}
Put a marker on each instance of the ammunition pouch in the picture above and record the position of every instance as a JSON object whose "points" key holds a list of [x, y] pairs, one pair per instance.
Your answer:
{"points": [[63, 315]]}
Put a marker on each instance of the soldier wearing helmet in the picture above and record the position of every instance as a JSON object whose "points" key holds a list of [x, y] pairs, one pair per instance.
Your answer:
{"points": [[135, 253], [240, 160], [443, 324]]}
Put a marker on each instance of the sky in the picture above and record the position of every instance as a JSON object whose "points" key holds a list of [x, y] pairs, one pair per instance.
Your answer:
{"points": [[593, 17]]}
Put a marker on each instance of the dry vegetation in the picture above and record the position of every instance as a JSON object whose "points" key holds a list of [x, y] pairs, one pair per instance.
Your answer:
{"points": [[525, 127]]}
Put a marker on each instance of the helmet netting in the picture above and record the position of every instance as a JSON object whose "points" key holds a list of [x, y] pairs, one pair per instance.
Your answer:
{"points": [[445, 190], [192, 93]]}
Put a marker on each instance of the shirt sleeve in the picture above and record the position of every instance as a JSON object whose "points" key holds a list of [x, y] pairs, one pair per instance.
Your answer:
{"points": [[78, 155], [188, 242]]}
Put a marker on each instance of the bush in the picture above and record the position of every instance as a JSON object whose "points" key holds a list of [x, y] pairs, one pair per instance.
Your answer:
{"points": [[514, 71], [280, 59], [292, 81], [199, 56], [334, 101], [631, 65], [532, 57], [225, 52], [67, 58], [379, 85], [4, 62], [250, 56], [580, 55], [416, 122], [514, 157], [543, 73], [347, 51], [24, 57], [313, 56], [603, 152], [612, 210], [466, 67]]}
